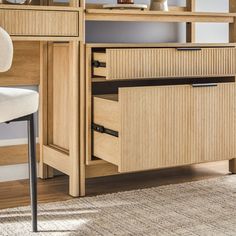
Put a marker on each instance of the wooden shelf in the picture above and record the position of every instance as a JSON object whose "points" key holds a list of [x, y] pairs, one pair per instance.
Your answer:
{"points": [[35, 7], [158, 45], [45, 38], [174, 16]]}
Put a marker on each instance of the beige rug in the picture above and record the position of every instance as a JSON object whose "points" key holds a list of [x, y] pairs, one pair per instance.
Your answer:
{"points": [[205, 207]]}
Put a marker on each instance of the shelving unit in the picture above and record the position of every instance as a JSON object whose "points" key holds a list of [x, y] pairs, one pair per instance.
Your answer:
{"points": [[75, 94], [111, 158], [113, 102], [110, 110]]}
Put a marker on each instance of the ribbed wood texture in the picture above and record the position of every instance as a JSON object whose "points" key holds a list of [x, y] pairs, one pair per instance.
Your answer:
{"points": [[176, 125], [141, 63], [40, 22], [213, 123], [155, 127]]}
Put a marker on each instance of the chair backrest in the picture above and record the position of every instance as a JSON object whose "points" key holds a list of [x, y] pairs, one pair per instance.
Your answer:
{"points": [[6, 51]]}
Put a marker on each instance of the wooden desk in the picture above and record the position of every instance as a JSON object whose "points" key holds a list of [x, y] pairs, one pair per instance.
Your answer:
{"points": [[47, 41]]}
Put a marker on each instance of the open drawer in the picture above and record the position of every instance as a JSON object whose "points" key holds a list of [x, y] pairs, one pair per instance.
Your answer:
{"points": [[140, 63], [145, 128]]}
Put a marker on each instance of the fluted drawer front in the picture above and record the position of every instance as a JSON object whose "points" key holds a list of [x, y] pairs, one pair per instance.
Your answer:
{"points": [[139, 63], [166, 126], [40, 22]]}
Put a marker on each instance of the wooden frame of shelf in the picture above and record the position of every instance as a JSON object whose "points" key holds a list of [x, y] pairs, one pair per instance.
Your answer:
{"points": [[95, 13], [90, 80], [161, 45], [175, 16], [60, 91], [232, 38], [66, 82], [191, 27]]}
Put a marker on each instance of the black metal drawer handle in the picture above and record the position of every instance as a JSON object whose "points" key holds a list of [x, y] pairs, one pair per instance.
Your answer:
{"points": [[204, 85]]}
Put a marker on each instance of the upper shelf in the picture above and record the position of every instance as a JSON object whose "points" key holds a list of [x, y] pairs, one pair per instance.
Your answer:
{"points": [[171, 16], [38, 7], [159, 45]]}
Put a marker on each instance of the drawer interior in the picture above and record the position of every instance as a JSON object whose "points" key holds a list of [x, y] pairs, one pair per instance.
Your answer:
{"points": [[99, 64], [106, 115]]}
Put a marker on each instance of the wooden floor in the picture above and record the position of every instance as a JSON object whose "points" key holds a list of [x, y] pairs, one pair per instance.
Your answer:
{"points": [[15, 193]]}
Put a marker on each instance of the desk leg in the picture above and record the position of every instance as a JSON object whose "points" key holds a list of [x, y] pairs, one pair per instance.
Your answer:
{"points": [[76, 180]]}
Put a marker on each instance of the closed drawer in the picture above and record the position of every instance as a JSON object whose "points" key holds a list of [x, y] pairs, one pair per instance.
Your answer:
{"points": [[165, 126], [37, 22], [139, 63]]}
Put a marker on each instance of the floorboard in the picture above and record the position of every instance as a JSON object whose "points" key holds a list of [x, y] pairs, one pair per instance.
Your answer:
{"points": [[16, 193]]}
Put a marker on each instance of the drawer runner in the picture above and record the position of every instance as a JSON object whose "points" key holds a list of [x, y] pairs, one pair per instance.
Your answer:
{"points": [[102, 129], [98, 64]]}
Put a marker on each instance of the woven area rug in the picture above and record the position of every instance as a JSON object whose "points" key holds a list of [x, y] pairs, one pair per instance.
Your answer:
{"points": [[205, 207]]}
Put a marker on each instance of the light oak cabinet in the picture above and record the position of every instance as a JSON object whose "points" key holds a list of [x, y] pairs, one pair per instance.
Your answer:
{"points": [[143, 63], [151, 122], [145, 128]]}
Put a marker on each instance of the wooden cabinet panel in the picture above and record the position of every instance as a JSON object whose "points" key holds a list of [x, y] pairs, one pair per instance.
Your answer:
{"points": [[140, 63], [58, 95], [155, 127], [213, 123]]}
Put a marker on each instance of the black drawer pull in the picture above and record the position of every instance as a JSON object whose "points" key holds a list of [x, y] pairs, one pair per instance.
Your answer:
{"points": [[188, 49], [204, 85]]}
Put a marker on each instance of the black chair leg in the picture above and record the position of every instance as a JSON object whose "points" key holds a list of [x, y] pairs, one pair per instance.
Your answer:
{"points": [[32, 166], [32, 171]]}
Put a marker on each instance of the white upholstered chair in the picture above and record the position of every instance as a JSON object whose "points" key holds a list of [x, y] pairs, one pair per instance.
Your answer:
{"points": [[19, 105]]}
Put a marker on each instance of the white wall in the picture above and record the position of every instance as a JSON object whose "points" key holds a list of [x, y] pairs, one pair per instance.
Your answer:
{"points": [[126, 32], [215, 33], [134, 32]]}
